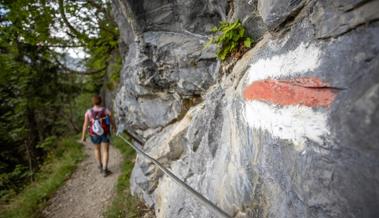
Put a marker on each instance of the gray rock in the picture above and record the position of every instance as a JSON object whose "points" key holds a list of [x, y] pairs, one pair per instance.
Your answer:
{"points": [[180, 62], [162, 69], [275, 12], [195, 16], [340, 17], [259, 158], [247, 12]]}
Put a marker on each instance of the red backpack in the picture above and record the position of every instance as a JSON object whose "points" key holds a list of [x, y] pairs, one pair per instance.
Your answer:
{"points": [[101, 116]]}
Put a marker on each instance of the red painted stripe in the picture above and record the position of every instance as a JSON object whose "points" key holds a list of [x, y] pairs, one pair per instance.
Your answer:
{"points": [[308, 91]]}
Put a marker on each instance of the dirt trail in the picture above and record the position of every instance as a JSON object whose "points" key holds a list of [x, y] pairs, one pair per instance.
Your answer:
{"points": [[87, 192]]}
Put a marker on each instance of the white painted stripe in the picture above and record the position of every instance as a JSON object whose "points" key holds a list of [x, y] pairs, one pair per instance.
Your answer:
{"points": [[296, 62], [294, 123]]}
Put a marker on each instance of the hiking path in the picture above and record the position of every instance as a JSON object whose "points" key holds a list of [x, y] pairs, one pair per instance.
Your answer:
{"points": [[87, 193]]}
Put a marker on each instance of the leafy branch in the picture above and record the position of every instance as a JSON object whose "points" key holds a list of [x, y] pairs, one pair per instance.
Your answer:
{"points": [[230, 38]]}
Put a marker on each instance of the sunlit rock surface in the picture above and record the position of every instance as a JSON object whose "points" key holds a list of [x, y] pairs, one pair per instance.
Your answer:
{"points": [[288, 153]]}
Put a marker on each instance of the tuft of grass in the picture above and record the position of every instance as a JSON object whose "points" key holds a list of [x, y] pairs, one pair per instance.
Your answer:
{"points": [[124, 204], [58, 167]]}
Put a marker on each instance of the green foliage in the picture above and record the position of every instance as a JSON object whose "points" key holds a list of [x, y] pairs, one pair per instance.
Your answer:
{"points": [[27, 19], [100, 40], [104, 54], [230, 38], [80, 104], [59, 164], [48, 143], [31, 98], [115, 68], [40, 99], [124, 204]]}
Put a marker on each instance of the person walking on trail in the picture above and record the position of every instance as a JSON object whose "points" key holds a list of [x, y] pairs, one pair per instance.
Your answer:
{"points": [[99, 119]]}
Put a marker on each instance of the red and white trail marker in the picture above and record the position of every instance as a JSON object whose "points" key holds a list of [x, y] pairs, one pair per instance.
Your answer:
{"points": [[291, 109], [306, 91]]}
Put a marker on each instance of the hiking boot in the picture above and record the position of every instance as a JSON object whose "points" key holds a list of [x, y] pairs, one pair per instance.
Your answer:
{"points": [[106, 172], [101, 169]]}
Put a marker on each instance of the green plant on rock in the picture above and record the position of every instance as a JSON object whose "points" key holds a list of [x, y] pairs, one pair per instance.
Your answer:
{"points": [[230, 38]]}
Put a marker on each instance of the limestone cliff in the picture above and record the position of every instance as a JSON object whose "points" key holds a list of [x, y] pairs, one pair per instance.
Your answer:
{"points": [[289, 130]]}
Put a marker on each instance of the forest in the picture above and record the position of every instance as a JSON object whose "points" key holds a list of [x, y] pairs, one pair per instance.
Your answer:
{"points": [[53, 55]]}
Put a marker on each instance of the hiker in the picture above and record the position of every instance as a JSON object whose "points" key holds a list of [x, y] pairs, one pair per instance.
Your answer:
{"points": [[99, 119]]}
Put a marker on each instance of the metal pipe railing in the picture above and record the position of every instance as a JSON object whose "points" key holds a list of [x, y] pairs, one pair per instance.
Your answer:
{"points": [[171, 175]]}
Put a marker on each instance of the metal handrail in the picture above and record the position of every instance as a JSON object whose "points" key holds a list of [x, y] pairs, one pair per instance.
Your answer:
{"points": [[178, 181]]}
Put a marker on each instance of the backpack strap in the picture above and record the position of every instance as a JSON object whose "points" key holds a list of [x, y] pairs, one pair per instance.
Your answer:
{"points": [[101, 114], [92, 114], [102, 111]]}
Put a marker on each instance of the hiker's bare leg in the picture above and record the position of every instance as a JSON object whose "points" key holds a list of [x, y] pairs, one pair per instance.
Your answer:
{"points": [[105, 147], [98, 154]]}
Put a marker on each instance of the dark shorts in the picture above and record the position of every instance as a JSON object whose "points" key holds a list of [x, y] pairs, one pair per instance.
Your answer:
{"points": [[99, 139]]}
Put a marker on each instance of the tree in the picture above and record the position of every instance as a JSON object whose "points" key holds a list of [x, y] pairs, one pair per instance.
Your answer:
{"points": [[38, 90]]}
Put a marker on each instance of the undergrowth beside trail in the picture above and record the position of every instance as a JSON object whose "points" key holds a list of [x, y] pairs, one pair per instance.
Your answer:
{"points": [[123, 203], [58, 167]]}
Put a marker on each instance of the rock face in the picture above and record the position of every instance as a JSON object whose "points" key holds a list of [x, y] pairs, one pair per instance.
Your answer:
{"points": [[166, 65], [291, 131]]}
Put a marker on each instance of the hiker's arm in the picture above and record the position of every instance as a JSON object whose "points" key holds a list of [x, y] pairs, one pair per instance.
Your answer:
{"points": [[84, 129]]}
